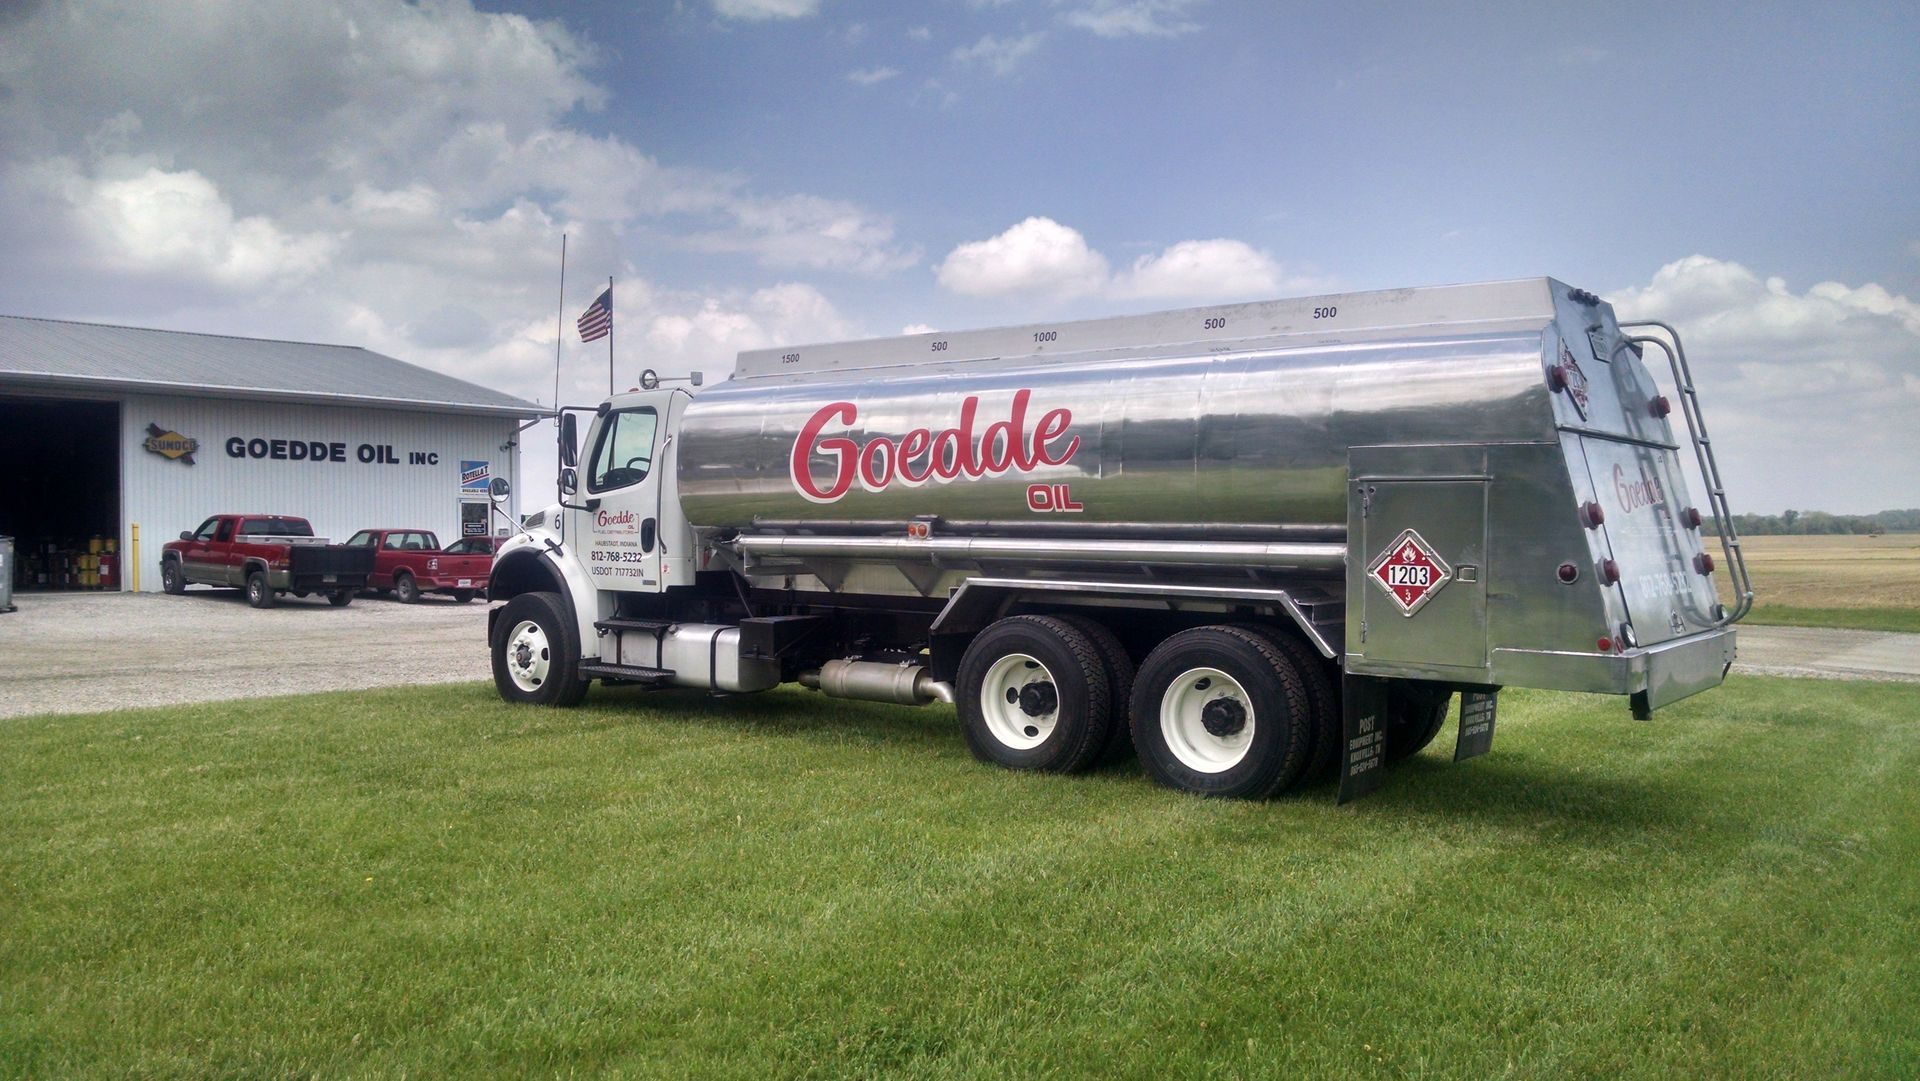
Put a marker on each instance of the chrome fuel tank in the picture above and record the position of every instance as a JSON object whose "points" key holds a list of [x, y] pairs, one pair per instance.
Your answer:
{"points": [[1231, 418]]}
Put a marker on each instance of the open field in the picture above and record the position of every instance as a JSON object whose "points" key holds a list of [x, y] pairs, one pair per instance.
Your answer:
{"points": [[427, 882], [1868, 583]]}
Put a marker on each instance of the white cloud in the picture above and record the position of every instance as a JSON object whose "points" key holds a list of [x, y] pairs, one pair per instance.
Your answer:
{"points": [[762, 10], [390, 174], [1001, 56], [1043, 257], [144, 219], [1131, 18], [1810, 396], [918, 328], [920, 33], [1039, 255], [1200, 270], [870, 76]]}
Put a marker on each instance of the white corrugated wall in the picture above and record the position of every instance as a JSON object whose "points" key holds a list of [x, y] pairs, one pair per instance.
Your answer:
{"points": [[164, 496]]}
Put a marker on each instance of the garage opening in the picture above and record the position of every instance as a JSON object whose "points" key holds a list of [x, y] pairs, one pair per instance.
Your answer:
{"points": [[60, 492]]}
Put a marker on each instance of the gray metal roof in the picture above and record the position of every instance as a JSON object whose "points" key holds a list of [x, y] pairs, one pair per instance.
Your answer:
{"points": [[52, 354]]}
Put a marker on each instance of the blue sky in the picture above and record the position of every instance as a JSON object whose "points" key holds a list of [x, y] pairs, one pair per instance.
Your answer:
{"points": [[758, 172]]}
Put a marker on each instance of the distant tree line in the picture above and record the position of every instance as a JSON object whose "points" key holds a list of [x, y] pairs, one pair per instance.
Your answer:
{"points": [[1815, 522]]}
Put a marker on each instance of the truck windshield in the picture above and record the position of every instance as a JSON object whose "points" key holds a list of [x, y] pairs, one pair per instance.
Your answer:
{"points": [[624, 453]]}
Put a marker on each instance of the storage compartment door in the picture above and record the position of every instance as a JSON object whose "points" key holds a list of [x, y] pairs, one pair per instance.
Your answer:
{"points": [[1418, 575]]}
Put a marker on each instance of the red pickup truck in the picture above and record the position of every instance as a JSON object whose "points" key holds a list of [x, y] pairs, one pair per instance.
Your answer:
{"points": [[411, 562], [266, 555]]}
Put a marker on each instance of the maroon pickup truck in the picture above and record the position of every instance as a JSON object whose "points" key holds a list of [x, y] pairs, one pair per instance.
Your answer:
{"points": [[266, 555], [411, 562]]}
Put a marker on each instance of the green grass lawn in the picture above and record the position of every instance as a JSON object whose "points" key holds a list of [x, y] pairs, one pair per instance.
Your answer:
{"points": [[1864, 619], [428, 883]]}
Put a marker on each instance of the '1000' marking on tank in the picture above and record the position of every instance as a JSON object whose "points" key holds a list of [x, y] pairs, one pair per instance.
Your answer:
{"points": [[923, 456]]}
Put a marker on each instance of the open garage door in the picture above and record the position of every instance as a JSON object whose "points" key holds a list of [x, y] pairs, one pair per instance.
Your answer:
{"points": [[60, 492]]}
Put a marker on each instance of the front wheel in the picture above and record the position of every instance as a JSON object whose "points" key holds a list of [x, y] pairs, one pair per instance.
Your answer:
{"points": [[405, 589], [259, 594], [536, 652], [1220, 711], [171, 579], [1033, 695]]}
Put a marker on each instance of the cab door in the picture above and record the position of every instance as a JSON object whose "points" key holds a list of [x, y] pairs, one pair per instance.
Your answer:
{"points": [[616, 521]]}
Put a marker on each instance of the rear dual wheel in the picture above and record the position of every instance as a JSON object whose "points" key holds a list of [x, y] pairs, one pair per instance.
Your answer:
{"points": [[1035, 694], [1223, 711]]}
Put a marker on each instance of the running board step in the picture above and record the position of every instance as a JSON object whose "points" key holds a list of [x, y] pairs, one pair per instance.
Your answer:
{"points": [[625, 623], [631, 673]]}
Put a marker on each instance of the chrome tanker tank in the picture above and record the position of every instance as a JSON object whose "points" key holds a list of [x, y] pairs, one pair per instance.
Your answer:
{"points": [[1225, 420]]}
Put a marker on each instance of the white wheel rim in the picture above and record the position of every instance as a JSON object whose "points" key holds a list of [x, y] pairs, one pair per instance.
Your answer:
{"points": [[529, 657], [1187, 708], [1016, 684]]}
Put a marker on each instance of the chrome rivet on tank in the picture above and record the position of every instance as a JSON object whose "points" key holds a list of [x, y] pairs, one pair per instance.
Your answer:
{"points": [[1569, 573], [1591, 515], [1703, 563], [1609, 571], [1659, 406]]}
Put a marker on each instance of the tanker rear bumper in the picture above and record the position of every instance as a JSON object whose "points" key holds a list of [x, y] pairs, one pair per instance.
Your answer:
{"points": [[1654, 676]]}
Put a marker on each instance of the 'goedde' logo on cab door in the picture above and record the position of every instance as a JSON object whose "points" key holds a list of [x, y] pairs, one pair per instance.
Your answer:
{"points": [[922, 456]]}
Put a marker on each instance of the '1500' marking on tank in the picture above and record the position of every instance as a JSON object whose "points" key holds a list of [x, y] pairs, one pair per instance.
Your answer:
{"points": [[922, 456]]}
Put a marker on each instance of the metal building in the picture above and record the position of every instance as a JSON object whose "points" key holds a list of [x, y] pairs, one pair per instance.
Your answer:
{"points": [[118, 438]]}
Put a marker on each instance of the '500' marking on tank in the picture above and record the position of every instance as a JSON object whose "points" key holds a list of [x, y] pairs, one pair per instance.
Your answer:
{"points": [[922, 456]]}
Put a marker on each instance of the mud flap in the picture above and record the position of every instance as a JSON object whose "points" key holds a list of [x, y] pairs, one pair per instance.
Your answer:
{"points": [[1364, 737], [1476, 724]]}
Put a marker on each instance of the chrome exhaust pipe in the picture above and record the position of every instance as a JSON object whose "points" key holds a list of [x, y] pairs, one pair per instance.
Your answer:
{"points": [[876, 681]]}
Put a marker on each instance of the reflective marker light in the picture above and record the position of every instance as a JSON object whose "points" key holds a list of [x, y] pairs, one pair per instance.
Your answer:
{"points": [[1660, 406], [1691, 516], [1605, 644], [1609, 571], [1569, 573], [1703, 563], [1591, 515]]}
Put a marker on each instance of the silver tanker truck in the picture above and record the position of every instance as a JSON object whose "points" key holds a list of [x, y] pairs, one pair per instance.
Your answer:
{"points": [[1261, 542]]}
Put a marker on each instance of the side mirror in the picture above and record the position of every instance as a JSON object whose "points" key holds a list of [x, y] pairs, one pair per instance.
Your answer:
{"points": [[569, 440], [186, 534], [569, 481], [498, 489]]}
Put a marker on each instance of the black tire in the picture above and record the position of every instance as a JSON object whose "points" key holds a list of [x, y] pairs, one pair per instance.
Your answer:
{"points": [[300, 593], [1119, 665], [1319, 678], [405, 589], [259, 594], [1056, 715], [340, 598], [462, 596], [1199, 746], [172, 578], [1415, 714], [519, 654]]}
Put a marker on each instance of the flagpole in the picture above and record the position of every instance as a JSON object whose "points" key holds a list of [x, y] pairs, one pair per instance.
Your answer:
{"points": [[609, 335]]}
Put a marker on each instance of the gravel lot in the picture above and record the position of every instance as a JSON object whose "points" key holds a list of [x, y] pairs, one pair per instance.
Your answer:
{"points": [[82, 652]]}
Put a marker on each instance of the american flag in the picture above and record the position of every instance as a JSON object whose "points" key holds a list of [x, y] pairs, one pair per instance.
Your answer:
{"points": [[597, 320]]}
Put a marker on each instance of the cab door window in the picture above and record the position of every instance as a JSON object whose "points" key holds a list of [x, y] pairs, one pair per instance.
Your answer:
{"points": [[624, 453]]}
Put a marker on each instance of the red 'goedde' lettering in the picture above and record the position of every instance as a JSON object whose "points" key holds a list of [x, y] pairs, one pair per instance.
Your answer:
{"points": [[920, 455]]}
